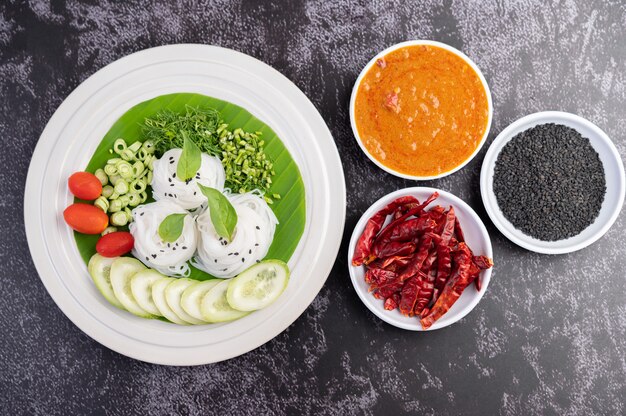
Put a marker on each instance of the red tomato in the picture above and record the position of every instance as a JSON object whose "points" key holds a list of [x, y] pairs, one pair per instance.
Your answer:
{"points": [[86, 218], [115, 244], [85, 185]]}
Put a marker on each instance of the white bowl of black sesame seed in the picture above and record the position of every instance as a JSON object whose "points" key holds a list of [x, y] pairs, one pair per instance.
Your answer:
{"points": [[553, 182]]}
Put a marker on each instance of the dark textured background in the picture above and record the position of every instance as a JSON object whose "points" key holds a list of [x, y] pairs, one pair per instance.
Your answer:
{"points": [[548, 337]]}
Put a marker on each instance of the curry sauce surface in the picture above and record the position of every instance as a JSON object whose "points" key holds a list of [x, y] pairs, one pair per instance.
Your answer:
{"points": [[421, 110]]}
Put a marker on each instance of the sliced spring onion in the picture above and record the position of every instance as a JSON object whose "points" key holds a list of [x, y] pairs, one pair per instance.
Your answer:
{"points": [[102, 203], [107, 191], [114, 178], [149, 146], [119, 218], [124, 169], [138, 168], [108, 230], [119, 146], [135, 147], [128, 154], [110, 170], [102, 176], [142, 154], [115, 205], [138, 185], [125, 200], [134, 199], [121, 187]]}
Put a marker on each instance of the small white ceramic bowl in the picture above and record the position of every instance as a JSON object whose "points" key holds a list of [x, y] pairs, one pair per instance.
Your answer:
{"points": [[475, 235], [613, 169], [416, 43]]}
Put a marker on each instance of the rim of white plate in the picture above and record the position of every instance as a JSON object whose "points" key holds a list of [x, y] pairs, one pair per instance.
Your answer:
{"points": [[614, 174], [475, 234], [417, 42], [77, 127]]}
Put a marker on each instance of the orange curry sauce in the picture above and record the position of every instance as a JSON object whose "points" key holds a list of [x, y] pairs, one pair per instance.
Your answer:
{"points": [[421, 110]]}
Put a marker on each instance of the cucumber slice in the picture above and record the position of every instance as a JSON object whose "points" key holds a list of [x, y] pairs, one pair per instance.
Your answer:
{"points": [[141, 288], [99, 269], [122, 269], [192, 296], [214, 306], [258, 286], [173, 294], [158, 296]]}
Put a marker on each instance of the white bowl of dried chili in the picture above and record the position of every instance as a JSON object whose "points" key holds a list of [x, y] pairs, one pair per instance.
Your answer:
{"points": [[421, 110], [473, 233]]}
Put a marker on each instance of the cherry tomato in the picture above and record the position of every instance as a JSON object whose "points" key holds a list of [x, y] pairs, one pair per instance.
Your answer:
{"points": [[115, 244], [86, 218], [85, 185]]}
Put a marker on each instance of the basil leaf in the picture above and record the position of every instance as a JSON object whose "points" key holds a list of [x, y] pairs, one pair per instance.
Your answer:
{"points": [[223, 214], [172, 227], [190, 159]]}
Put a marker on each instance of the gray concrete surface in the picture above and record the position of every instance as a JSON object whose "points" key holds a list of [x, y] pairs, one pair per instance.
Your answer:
{"points": [[549, 336]]}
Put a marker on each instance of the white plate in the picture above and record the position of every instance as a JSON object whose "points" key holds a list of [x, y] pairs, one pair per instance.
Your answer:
{"points": [[76, 129], [477, 239], [613, 169], [415, 43]]}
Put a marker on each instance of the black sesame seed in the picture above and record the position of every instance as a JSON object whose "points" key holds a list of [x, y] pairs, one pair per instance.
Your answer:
{"points": [[184, 247], [236, 253], [216, 260], [171, 184], [194, 192], [258, 261], [250, 251], [243, 260], [147, 258], [258, 228], [256, 244], [169, 179], [141, 213], [549, 182], [153, 256]]}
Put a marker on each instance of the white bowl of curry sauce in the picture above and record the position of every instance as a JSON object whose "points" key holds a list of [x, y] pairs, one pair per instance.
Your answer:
{"points": [[421, 110]]}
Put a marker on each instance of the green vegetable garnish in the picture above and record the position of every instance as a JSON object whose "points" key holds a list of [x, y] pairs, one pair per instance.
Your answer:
{"points": [[172, 227], [200, 125], [246, 165], [245, 162], [223, 214], [189, 161]]}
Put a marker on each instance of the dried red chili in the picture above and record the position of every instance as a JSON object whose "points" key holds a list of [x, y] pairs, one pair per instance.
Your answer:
{"points": [[409, 294], [392, 301], [428, 274], [418, 258], [419, 262], [453, 289], [394, 248], [417, 210], [373, 226], [411, 229]]}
